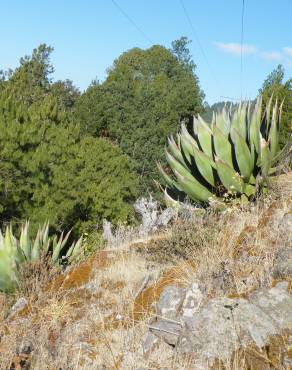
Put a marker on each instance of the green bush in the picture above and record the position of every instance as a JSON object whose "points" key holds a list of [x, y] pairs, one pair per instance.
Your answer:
{"points": [[96, 181], [143, 99], [48, 171]]}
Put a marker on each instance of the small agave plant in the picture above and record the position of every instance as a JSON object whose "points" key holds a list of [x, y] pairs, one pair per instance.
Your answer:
{"points": [[233, 156], [14, 252]]}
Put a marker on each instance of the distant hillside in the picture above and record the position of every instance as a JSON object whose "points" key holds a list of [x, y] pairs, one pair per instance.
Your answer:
{"points": [[216, 107]]}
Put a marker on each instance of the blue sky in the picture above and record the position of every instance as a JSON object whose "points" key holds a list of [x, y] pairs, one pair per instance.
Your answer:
{"points": [[88, 35]]}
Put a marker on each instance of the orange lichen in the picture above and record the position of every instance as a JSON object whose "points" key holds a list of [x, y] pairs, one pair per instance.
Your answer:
{"points": [[268, 214], [242, 242], [81, 274], [113, 286], [144, 303], [21, 313], [20, 362]]}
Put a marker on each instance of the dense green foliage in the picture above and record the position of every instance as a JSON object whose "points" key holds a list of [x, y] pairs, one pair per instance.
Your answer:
{"points": [[93, 182], [144, 97], [276, 85], [47, 170], [232, 156]]}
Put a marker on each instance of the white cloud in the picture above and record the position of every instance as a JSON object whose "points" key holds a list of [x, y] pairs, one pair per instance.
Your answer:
{"points": [[284, 55], [271, 55], [235, 48], [288, 51]]}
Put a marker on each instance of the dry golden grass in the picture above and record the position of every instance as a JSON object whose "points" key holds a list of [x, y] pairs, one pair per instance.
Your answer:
{"points": [[95, 315]]}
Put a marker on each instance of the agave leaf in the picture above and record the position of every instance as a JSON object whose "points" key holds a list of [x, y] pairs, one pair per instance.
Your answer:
{"points": [[195, 125], [249, 190], [222, 121], [267, 115], [175, 150], [205, 137], [222, 145], [169, 201], [167, 178], [46, 241], [195, 190], [12, 246], [285, 152], [229, 177], [274, 132], [187, 136], [252, 155], [172, 184], [8, 241], [1, 240], [176, 165], [187, 148], [35, 252], [265, 158], [24, 241], [75, 249], [57, 243], [243, 120], [252, 180], [239, 119], [205, 165], [277, 169], [180, 170], [243, 155], [255, 125], [8, 276], [57, 247]]}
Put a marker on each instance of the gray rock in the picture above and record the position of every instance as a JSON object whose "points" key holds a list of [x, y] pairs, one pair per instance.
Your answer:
{"points": [[276, 303], [149, 343], [148, 209], [170, 301], [192, 301], [224, 324], [166, 217], [25, 347], [285, 225], [283, 263], [20, 304], [169, 331]]}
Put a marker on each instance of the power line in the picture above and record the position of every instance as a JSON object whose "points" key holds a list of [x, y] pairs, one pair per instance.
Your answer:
{"points": [[241, 49], [198, 42], [132, 22]]}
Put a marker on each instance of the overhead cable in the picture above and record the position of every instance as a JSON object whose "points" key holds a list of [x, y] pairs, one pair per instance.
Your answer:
{"points": [[134, 24]]}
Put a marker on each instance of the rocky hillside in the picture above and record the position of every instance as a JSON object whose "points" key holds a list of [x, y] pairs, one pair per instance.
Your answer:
{"points": [[213, 290]]}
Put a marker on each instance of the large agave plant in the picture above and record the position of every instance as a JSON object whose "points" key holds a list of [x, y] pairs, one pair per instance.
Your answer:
{"points": [[232, 156], [14, 252]]}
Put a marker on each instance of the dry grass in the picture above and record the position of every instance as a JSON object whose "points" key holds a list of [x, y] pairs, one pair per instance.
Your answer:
{"points": [[95, 316]]}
